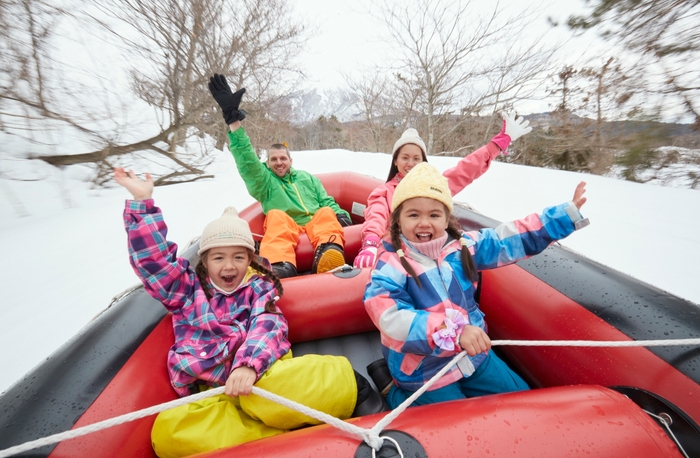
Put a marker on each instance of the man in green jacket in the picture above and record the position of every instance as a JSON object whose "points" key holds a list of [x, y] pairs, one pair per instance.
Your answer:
{"points": [[294, 201]]}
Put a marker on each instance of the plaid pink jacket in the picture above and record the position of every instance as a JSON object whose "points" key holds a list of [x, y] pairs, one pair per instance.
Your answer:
{"points": [[212, 337]]}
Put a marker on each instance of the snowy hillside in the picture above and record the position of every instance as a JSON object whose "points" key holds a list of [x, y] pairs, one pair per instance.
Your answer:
{"points": [[66, 258]]}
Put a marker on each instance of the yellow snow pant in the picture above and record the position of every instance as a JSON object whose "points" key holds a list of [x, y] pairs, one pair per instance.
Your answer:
{"points": [[282, 234], [325, 383]]}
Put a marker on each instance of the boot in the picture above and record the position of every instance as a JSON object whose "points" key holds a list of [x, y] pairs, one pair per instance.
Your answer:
{"points": [[379, 372], [368, 401], [327, 257], [284, 269]]}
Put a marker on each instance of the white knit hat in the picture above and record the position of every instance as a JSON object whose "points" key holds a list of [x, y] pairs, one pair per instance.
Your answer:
{"points": [[424, 180], [409, 136], [227, 230]]}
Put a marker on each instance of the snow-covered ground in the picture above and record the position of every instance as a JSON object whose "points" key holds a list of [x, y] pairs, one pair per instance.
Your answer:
{"points": [[67, 258]]}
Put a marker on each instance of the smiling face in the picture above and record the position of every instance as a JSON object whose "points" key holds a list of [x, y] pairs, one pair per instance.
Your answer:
{"points": [[408, 157], [279, 162], [227, 266], [423, 219]]}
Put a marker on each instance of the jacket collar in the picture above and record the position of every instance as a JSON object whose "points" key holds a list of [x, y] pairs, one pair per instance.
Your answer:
{"points": [[451, 246]]}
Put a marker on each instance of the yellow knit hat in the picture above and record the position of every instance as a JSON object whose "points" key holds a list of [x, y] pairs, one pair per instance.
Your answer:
{"points": [[227, 230], [423, 180]]}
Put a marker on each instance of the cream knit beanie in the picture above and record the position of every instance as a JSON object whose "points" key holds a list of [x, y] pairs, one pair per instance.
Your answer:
{"points": [[228, 230], [423, 180], [408, 136]]}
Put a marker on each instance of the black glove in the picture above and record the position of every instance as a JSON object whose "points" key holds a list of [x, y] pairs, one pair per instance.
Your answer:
{"points": [[343, 220], [227, 100]]}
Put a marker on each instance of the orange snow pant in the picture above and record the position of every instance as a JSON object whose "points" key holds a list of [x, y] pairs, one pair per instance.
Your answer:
{"points": [[282, 234]]}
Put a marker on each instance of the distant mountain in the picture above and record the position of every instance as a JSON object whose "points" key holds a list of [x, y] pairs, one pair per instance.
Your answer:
{"points": [[683, 135], [310, 105]]}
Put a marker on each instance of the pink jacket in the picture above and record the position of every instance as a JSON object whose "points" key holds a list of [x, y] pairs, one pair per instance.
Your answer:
{"points": [[470, 168]]}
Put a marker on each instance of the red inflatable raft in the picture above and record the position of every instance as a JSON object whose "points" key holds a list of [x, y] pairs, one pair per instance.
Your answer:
{"points": [[637, 402]]}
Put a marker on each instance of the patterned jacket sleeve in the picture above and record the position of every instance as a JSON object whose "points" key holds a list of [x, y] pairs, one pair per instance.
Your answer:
{"points": [[377, 213], [166, 277], [511, 242], [470, 167], [252, 171], [266, 339], [404, 328]]}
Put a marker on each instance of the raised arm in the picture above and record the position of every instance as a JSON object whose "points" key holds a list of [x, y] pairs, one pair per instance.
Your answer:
{"points": [[477, 163], [139, 189], [511, 242], [228, 101], [512, 129], [153, 258]]}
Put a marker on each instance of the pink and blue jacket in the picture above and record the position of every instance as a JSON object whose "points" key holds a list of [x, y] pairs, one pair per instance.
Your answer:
{"points": [[468, 169], [408, 316], [212, 337]]}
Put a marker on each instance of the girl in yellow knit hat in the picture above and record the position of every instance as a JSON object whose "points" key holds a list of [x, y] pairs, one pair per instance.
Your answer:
{"points": [[421, 292]]}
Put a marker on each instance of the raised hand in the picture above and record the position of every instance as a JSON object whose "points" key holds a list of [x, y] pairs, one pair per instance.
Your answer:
{"points": [[515, 127], [227, 100], [579, 200], [138, 188], [511, 130]]}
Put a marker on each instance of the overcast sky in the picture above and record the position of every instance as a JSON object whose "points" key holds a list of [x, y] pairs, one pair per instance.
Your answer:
{"points": [[347, 35]]}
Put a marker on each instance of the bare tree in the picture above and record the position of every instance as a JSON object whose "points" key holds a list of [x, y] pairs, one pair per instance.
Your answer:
{"points": [[612, 94], [37, 99], [666, 37], [561, 140], [171, 48], [376, 96], [455, 64]]}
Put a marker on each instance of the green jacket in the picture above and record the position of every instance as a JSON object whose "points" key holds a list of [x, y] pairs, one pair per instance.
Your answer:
{"points": [[298, 193]]}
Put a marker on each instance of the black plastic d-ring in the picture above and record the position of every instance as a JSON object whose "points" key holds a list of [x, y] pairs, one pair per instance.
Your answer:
{"points": [[347, 272], [410, 447]]}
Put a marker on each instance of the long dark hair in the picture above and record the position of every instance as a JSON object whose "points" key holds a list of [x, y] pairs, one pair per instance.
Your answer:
{"points": [[453, 230], [394, 170], [270, 306]]}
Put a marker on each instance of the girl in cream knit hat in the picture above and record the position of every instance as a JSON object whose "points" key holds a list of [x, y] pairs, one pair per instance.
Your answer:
{"points": [[421, 292], [228, 332]]}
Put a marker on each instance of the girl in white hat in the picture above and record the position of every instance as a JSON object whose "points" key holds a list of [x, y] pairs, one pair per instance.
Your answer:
{"points": [[228, 332], [421, 292], [408, 151]]}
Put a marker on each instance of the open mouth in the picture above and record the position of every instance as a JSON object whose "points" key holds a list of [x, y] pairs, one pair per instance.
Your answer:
{"points": [[228, 278], [424, 237]]}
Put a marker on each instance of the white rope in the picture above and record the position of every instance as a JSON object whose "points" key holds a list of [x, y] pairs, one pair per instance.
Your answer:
{"points": [[99, 426], [391, 416], [370, 436], [597, 343]]}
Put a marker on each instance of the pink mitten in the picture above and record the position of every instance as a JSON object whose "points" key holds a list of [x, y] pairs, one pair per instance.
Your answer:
{"points": [[368, 253]]}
